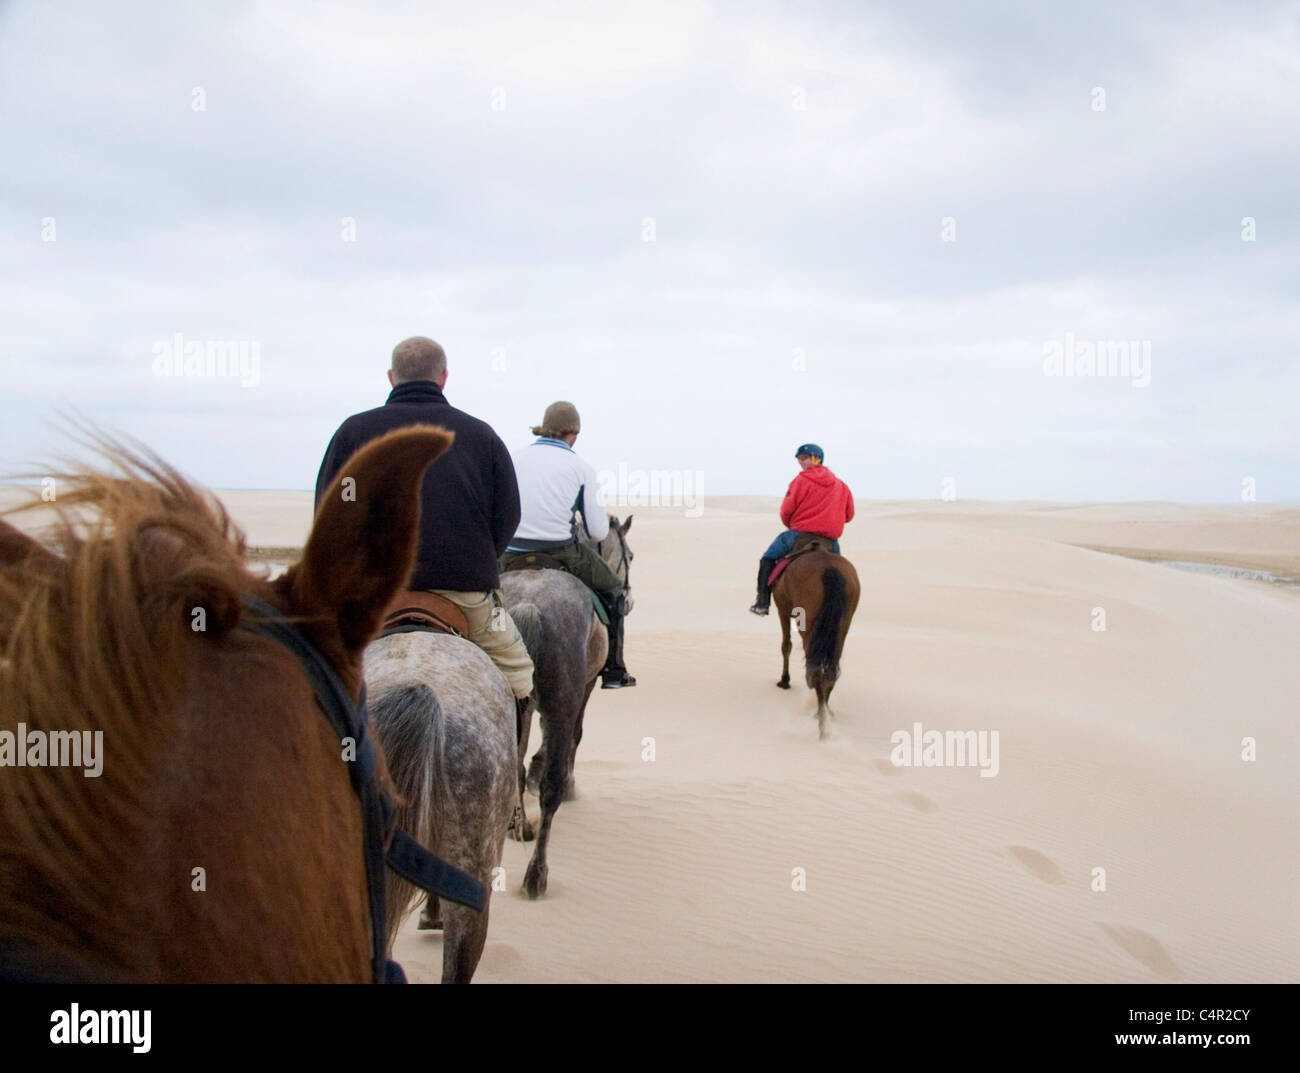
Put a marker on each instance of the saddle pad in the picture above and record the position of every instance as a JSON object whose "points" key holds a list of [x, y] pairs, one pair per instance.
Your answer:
{"points": [[777, 571]]}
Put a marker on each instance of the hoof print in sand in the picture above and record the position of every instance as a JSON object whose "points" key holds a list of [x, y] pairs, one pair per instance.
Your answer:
{"points": [[1144, 948], [918, 801], [1038, 865]]}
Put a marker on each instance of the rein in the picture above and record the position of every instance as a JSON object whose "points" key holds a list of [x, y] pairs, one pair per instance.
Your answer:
{"points": [[384, 843]]}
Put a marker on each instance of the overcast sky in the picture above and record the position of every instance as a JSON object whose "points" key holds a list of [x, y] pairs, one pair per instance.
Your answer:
{"points": [[718, 229]]}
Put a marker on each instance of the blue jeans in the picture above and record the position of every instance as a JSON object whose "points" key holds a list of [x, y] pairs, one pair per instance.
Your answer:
{"points": [[780, 547]]}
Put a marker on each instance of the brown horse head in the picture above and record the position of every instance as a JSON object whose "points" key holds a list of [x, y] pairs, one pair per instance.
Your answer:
{"points": [[200, 824]]}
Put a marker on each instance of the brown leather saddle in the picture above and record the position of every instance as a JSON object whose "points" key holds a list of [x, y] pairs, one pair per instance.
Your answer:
{"points": [[810, 543], [419, 610], [802, 546]]}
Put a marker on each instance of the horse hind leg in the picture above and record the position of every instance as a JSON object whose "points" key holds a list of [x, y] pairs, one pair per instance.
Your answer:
{"points": [[535, 768], [786, 644], [570, 786], [823, 683], [464, 936], [554, 779], [520, 829], [482, 832], [430, 915]]}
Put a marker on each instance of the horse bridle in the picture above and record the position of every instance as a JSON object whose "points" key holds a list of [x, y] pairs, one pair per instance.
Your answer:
{"points": [[383, 842], [625, 562]]}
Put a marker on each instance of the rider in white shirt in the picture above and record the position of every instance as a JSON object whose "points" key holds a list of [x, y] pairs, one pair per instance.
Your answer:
{"points": [[554, 482]]}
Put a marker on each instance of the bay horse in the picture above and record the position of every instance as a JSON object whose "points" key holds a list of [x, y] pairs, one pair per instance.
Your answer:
{"points": [[222, 840], [817, 587], [446, 717], [568, 645]]}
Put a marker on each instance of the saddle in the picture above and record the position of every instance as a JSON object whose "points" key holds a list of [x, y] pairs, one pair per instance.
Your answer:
{"points": [[539, 560], [415, 609], [802, 546], [535, 560]]}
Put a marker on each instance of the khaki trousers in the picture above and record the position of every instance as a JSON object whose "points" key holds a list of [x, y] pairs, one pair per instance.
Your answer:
{"points": [[494, 631]]}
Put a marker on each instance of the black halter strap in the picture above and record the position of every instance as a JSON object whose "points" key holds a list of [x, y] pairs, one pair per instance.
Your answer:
{"points": [[625, 562], [383, 844]]}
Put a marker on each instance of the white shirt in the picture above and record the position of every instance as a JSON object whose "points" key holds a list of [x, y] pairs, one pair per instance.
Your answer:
{"points": [[553, 480]]}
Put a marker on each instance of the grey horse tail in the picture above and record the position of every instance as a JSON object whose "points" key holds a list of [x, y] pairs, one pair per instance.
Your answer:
{"points": [[824, 644], [410, 725], [528, 620]]}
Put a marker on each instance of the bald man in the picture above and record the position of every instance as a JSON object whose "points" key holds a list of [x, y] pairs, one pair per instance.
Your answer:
{"points": [[470, 504]]}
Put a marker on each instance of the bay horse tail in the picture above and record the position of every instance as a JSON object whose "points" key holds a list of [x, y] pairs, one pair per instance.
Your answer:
{"points": [[824, 644], [412, 729]]}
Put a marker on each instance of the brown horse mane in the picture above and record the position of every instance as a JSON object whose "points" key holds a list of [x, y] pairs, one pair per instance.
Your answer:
{"points": [[94, 624]]}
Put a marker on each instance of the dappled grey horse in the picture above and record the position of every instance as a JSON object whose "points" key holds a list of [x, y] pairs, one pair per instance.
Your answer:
{"points": [[446, 719], [568, 646]]}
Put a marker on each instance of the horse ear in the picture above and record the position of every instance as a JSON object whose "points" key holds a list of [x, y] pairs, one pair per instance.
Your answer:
{"points": [[363, 542], [627, 525]]}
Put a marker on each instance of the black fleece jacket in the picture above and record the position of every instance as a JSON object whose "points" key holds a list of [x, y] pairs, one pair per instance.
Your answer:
{"points": [[470, 504]]}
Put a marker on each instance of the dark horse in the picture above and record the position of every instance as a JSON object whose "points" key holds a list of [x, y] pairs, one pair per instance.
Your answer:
{"points": [[222, 840], [568, 645], [818, 587]]}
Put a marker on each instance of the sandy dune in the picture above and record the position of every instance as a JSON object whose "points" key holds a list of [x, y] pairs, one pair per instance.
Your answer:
{"points": [[1118, 750]]}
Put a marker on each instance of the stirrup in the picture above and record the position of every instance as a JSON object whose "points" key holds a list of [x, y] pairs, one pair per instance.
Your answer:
{"points": [[758, 609], [622, 681]]}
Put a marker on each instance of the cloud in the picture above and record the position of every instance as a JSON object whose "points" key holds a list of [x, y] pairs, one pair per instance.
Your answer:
{"points": [[497, 168]]}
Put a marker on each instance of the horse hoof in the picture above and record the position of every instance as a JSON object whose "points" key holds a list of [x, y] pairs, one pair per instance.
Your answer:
{"points": [[534, 883], [783, 684]]}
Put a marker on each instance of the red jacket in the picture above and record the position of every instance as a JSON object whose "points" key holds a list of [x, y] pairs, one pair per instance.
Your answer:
{"points": [[817, 501]]}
